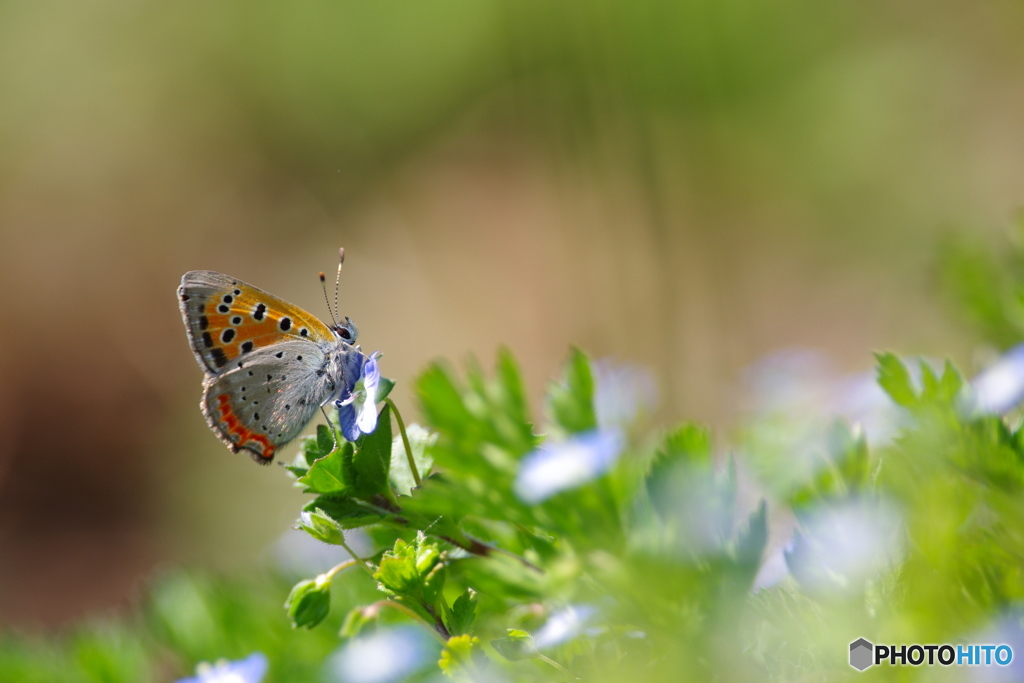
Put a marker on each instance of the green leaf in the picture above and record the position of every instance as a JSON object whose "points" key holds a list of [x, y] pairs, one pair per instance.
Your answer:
{"points": [[384, 387], [412, 570], [571, 402], [372, 458], [752, 539], [458, 654], [317, 524], [849, 449], [894, 378], [516, 646], [685, 454], [325, 440], [309, 602], [463, 612], [343, 510], [951, 382], [513, 394], [327, 474], [420, 440], [441, 400]]}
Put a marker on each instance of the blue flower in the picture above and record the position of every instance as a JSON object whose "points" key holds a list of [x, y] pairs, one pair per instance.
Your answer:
{"points": [[357, 407], [1001, 387], [563, 626], [566, 465], [385, 656], [248, 670]]}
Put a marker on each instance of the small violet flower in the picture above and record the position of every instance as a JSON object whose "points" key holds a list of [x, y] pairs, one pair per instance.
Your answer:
{"points": [[566, 465], [357, 407], [248, 670]]}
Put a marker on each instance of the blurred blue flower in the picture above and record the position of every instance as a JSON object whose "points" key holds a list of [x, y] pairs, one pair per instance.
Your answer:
{"points": [[1001, 386], [622, 392], [252, 669], [563, 626], [841, 547], [381, 657], [357, 405], [1007, 630], [566, 465], [804, 386]]}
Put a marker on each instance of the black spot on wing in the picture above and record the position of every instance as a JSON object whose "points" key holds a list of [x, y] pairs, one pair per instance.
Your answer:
{"points": [[246, 346], [219, 359]]}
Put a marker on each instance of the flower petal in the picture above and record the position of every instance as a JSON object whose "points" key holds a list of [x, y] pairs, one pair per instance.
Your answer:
{"points": [[566, 465], [347, 420], [366, 421]]}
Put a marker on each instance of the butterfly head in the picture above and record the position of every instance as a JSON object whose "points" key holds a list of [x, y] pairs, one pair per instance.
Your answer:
{"points": [[346, 330]]}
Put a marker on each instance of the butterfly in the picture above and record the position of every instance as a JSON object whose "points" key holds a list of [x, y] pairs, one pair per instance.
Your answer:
{"points": [[269, 364]]}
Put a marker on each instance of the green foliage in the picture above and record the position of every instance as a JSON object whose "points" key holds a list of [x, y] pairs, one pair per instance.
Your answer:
{"points": [[641, 562], [458, 655], [986, 286], [571, 402]]}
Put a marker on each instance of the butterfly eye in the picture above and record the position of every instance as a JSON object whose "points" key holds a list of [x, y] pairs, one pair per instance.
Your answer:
{"points": [[345, 334]]}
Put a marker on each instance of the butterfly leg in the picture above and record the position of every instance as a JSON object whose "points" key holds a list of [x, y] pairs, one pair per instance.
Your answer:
{"points": [[330, 425]]}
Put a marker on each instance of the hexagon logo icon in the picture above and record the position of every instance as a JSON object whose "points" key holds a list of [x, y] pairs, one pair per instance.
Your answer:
{"points": [[861, 654]]}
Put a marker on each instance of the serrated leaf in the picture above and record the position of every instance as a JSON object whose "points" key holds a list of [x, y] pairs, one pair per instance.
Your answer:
{"points": [[327, 474], [894, 378], [571, 402], [463, 612], [420, 441], [413, 570], [685, 453]]}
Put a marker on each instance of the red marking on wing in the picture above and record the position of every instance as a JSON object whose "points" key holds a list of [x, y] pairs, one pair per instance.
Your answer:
{"points": [[245, 435]]}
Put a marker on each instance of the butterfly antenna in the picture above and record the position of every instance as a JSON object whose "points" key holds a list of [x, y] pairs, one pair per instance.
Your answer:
{"points": [[337, 280], [323, 286]]}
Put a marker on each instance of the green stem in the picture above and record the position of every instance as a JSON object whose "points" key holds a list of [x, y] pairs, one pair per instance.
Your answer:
{"points": [[405, 441], [409, 612], [329, 574], [558, 666], [367, 567]]}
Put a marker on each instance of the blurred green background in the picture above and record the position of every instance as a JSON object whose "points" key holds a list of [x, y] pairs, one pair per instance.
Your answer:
{"points": [[687, 185]]}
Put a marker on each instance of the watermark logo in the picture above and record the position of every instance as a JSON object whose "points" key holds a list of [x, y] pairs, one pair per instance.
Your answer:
{"points": [[861, 654], [864, 654]]}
